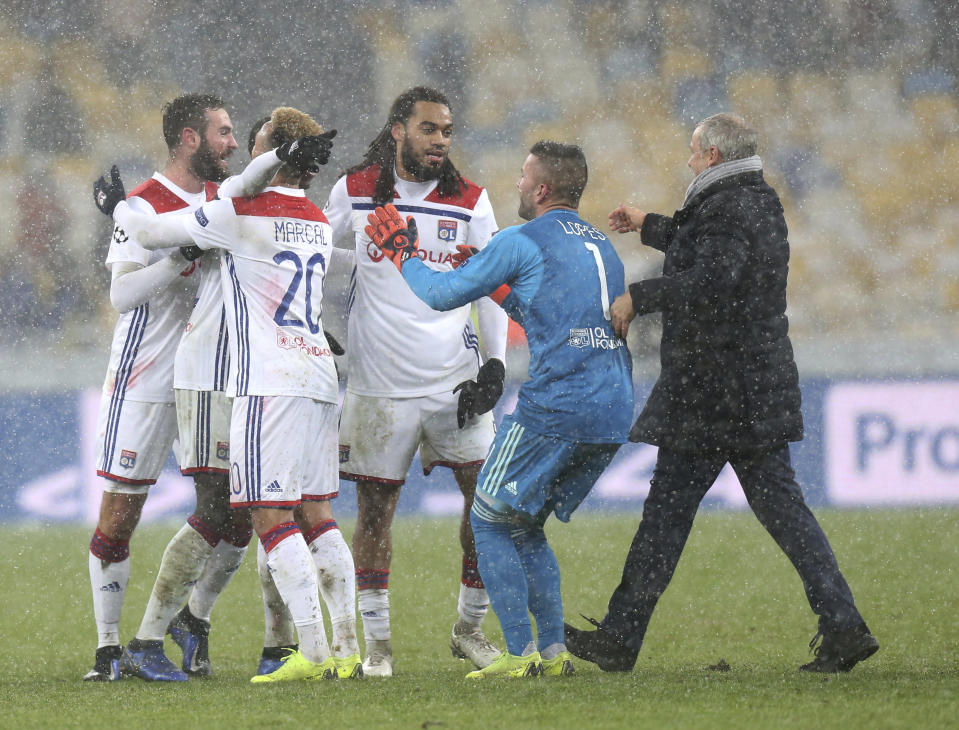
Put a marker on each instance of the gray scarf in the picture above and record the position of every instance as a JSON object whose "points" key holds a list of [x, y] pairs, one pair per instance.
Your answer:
{"points": [[723, 170]]}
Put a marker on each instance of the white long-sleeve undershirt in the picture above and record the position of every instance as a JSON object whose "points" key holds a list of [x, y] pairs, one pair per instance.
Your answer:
{"points": [[492, 322], [132, 284]]}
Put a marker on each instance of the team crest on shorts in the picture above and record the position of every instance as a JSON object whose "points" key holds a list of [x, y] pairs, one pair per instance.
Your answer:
{"points": [[579, 338], [344, 454], [128, 459], [223, 450], [446, 230]]}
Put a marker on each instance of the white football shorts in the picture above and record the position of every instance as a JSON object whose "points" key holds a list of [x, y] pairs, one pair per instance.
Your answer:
{"points": [[203, 422], [134, 439], [379, 436], [283, 451]]}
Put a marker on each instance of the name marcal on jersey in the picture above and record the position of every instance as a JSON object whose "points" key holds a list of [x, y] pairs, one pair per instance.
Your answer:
{"points": [[299, 232]]}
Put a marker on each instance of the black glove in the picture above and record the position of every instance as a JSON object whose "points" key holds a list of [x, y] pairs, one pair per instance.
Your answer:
{"points": [[335, 347], [306, 154], [480, 395], [191, 252], [107, 195]]}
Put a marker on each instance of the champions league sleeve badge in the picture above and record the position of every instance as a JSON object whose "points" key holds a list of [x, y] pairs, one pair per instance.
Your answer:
{"points": [[446, 230]]}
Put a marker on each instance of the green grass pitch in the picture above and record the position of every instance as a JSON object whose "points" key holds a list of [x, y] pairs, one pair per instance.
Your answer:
{"points": [[734, 598]]}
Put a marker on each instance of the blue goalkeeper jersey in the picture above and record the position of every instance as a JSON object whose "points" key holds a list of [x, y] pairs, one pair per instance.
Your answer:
{"points": [[560, 276]]}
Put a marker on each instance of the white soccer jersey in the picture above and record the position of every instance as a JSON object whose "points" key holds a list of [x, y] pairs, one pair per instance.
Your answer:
{"points": [[202, 359], [145, 339], [398, 346], [275, 250]]}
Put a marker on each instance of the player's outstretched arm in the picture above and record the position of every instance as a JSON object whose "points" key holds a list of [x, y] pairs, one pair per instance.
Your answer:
{"points": [[132, 284], [307, 153], [152, 231], [253, 179]]}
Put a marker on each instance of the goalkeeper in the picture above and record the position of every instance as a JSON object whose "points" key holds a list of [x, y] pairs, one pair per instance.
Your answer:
{"points": [[555, 276]]}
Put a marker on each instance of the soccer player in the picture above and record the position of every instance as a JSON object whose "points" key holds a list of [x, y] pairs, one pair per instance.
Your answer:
{"points": [[556, 276], [153, 291], [276, 247], [406, 360], [209, 548]]}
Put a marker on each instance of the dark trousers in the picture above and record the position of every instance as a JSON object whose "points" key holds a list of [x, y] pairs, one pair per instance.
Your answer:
{"points": [[679, 483]]}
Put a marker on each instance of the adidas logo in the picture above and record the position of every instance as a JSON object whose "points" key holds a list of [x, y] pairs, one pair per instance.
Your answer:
{"points": [[113, 587], [510, 487], [273, 486]]}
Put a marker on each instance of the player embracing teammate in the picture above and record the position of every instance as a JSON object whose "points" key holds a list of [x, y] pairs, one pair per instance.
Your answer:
{"points": [[282, 378], [153, 291]]}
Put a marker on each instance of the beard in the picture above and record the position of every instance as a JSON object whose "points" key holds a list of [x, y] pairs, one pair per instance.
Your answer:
{"points": [[419, 170], [526, 211], [207, 165]]}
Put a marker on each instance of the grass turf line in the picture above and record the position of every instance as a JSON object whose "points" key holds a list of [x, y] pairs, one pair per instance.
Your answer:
{"points": [[734, 599]]}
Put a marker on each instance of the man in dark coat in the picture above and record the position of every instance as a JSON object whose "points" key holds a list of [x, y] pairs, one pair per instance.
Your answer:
{"points": [[728, 392]]}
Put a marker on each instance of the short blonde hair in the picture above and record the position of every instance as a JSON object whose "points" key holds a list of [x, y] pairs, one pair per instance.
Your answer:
{"points": [[289, 124]]}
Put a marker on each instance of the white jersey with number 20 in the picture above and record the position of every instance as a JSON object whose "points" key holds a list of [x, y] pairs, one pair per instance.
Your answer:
{"points": [[276, 251]]}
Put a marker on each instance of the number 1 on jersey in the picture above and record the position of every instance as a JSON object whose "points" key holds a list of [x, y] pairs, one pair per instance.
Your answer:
{"points": [[603, 288]]}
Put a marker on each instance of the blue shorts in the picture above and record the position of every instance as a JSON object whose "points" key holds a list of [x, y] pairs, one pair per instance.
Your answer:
{"points": [[536, 475]]}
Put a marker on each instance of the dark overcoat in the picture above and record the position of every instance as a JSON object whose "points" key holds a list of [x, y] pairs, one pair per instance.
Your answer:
{"points": [[728, 378]]}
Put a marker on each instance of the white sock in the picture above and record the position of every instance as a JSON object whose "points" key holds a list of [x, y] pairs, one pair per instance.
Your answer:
{"points": [[277, 620], [182, 563], [374, 605], [109, 584], [294, 574], [472, 605], [337, 581], [220, 568]]}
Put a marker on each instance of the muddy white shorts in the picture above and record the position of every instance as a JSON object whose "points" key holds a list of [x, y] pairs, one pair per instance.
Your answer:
{"points": [[379, 436], [134, 439], [283, 450], [203, 422]]}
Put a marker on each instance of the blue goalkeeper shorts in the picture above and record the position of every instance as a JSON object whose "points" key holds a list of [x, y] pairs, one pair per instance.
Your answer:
{"points": [[535, 475]]}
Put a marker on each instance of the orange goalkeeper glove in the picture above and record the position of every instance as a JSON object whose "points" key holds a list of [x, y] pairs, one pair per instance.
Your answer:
{"points": [[398, 240]]}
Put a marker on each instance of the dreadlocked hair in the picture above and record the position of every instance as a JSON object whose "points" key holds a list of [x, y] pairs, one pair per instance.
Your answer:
{"points": [[382, 150]]}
